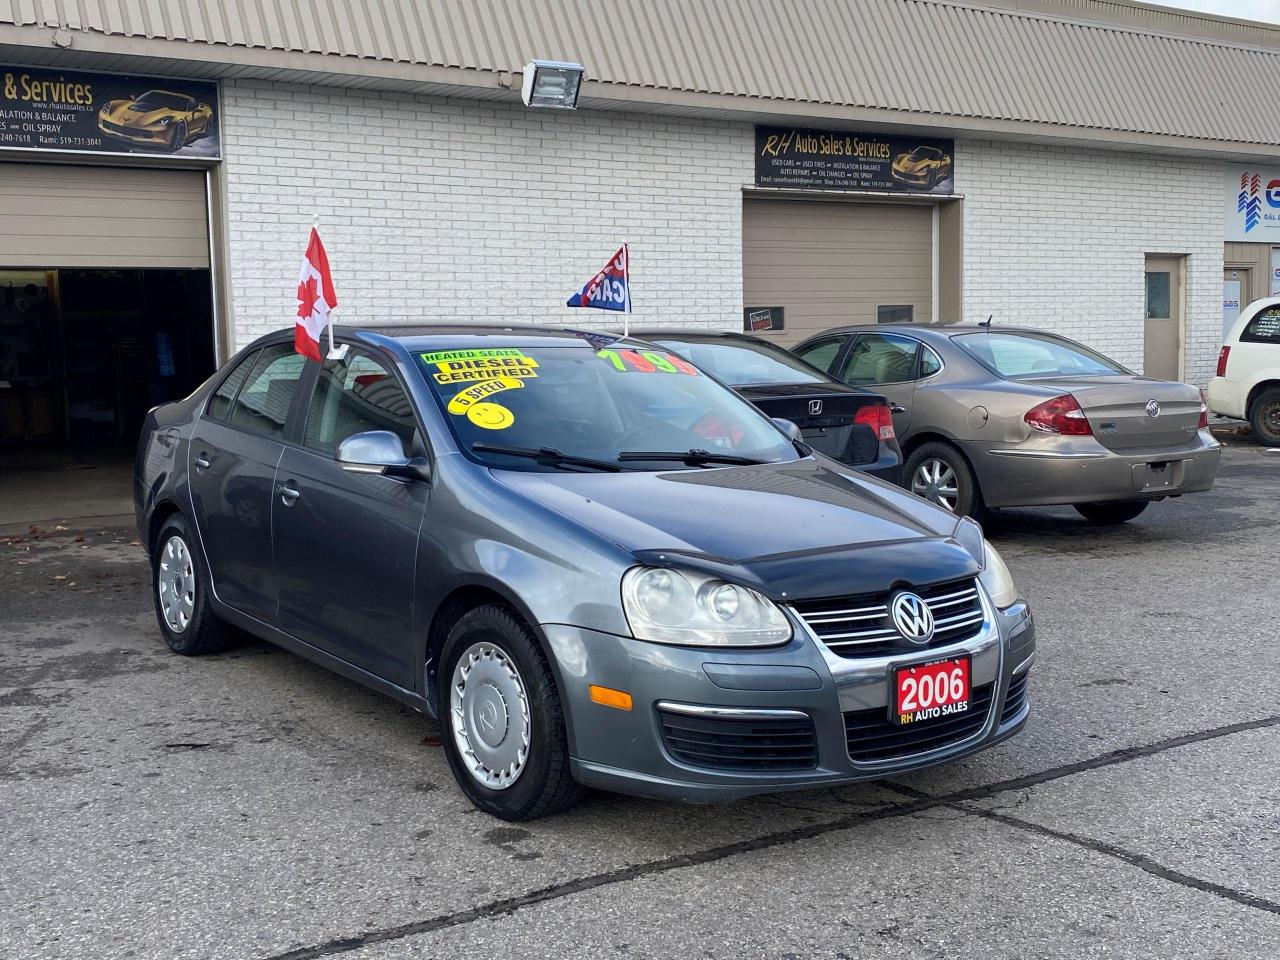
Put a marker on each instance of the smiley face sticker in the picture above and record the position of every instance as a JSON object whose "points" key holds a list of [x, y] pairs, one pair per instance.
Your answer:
{"points": [[473, 402], [490, 416]]}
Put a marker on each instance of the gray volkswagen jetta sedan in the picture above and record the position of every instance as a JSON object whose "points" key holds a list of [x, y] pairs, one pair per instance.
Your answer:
{"points": [[596, 564]]}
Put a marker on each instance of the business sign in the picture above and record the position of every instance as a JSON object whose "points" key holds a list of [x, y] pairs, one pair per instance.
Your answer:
{"points": [[107, 113], [801, 158], [1253, 204]]}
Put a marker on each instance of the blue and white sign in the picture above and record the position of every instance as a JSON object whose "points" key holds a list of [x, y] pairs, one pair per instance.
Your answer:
{"points": [[1253, 204]]}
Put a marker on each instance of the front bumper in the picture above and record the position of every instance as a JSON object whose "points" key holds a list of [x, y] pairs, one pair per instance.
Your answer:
{"points": [[1082, 470], [624, 751], [161, 136]]}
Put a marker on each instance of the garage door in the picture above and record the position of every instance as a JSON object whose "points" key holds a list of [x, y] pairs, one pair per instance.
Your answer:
{"points": [[830, 264], [68, 216]]}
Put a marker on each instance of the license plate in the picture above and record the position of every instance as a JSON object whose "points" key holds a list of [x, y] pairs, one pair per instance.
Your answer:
{"points": [[930, 691]]}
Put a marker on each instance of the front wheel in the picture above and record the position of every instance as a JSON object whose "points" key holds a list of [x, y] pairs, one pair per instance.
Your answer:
{"points": [[1264, 417], [1111, 513], [179, 137], [503, 726], [939, 473]]}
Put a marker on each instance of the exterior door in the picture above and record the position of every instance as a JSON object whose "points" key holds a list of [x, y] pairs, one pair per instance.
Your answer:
{"points": [[1162, 328], [1235, 283], [884, 363], [234, 450], [346, 543]]}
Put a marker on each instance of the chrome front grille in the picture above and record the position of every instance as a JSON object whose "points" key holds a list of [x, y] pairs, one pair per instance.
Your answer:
{"points": [[860, 626]]}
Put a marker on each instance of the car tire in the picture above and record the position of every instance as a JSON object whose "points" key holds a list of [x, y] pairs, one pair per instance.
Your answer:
{"points": [[180, 588], [1110, 513], [179, 137], [502, 724], [1264, 417], [939, 472]]}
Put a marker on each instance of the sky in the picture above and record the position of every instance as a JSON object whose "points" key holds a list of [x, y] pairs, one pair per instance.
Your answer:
{"points": [[1267, 10]]}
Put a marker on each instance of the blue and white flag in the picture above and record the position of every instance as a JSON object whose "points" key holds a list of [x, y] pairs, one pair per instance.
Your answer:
{"points": [[610, 289]]}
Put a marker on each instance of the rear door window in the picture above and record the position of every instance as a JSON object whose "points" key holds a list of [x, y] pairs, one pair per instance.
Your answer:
{"points": [[821, 354], [880, 358], [1264, 328], [220, 402], [262, 405], [354, 396]]}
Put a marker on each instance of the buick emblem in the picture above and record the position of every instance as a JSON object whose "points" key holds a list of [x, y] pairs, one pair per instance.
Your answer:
{"points": [[912, 617], [815, 407], [1153, 408]]}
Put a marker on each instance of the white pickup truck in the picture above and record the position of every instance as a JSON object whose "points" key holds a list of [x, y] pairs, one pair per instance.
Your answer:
{"points": [[1247, 386]]}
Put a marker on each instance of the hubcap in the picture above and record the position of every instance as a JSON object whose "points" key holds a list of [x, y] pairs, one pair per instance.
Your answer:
{"points": [[936, 482], [176, 584], [489, 715], [1271, 418]]}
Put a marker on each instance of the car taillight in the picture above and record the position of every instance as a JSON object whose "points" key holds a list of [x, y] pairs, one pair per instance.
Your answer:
{"points": [[1204, 404], [1061, 415], [878, 417], [1222, 361]]}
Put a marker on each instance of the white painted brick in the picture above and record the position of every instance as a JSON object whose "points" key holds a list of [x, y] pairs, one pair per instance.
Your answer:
{"points": [[439, 211], [1055, 237]]}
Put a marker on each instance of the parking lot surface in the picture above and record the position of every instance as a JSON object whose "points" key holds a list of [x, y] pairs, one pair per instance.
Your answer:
{"points": [[253, 806]]}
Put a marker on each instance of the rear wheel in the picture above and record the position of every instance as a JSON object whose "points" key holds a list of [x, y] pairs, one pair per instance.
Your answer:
{"points": [[1264, 417], [939, 472], [180, 586], [1112, 512], [504, 728]]}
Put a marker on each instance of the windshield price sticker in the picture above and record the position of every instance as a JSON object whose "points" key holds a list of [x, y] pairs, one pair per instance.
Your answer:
{"points": [[647, 361]]}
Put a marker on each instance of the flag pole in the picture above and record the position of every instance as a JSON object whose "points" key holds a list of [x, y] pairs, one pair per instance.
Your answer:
{"points": [[626, 317], [335, 352]]}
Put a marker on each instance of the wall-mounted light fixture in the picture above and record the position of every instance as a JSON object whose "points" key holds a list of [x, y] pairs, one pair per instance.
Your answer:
{"points": [[550, 84]]}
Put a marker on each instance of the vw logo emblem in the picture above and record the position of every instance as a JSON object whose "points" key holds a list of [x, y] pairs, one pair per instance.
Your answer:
{"points": [[815, 407], [1153, 408], [912, 617]]}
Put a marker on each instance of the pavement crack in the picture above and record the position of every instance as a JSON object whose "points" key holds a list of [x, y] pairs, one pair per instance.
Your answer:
{"points": [[917, 803]]}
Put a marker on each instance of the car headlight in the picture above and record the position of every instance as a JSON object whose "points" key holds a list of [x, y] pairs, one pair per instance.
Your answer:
{"points": [[671, 606], [997, 579]]}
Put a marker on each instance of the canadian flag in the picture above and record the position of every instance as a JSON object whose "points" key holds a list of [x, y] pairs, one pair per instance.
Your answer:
{"points": [[316, 297]]}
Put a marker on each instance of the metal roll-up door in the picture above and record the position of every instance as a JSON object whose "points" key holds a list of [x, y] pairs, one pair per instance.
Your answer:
{"points": [[66, 216], [832, 263]]}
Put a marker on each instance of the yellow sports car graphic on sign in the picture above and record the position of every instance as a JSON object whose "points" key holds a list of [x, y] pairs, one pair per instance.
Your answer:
{"points": [[922, 167], [158, 118]]}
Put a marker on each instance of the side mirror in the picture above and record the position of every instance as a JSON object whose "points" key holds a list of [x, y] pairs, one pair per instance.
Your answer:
{"points": [[789, 428], [380, 452]]}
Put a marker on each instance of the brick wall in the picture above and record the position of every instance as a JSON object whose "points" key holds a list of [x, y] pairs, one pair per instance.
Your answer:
{"points": [[1055, 237], [437, 210]]}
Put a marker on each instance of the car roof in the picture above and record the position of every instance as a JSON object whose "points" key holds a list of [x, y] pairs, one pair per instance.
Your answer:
{"points": [[463, 336], [925, 330], [676, 333]]}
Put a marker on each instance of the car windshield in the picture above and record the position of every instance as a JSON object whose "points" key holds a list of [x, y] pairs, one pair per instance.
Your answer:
{"points": [[924, 153], [579, 402], [156, 100], [742, 363], [1021, 356]]}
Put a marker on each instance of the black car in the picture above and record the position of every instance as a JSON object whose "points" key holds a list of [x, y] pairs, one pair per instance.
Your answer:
{"points": [[847, 424]]}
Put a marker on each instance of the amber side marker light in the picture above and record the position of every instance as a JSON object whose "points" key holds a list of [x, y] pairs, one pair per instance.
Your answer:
{"points": [[610, 698]]}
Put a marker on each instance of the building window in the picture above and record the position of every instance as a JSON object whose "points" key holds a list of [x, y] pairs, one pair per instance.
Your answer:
{"points": [[1158, 294], [895, 313]]}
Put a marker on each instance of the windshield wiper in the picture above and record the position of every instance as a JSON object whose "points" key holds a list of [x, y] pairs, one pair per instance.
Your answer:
{"points": [[547, 455], [693, 458]]}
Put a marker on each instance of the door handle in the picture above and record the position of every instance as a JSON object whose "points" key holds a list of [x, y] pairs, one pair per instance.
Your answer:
{"points": [[897, 408], [202, 462], [289, 494]]}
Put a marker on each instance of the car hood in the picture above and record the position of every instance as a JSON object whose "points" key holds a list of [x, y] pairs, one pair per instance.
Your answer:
{"points": [[802, 529], [124, 114]]}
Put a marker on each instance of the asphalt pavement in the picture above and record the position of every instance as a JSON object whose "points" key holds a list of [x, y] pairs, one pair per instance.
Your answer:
{"points": [[253, 806]]}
